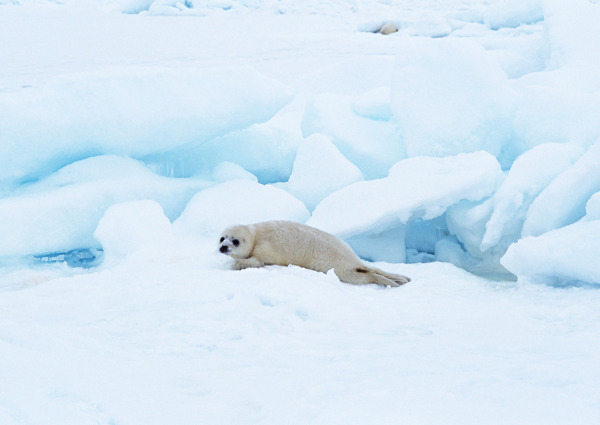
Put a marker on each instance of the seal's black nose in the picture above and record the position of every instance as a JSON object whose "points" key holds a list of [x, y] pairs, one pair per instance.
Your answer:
{"points": [[223, 249]]}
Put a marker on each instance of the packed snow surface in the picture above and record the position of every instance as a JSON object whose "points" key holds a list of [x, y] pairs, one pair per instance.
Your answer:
{"points": [[461, 150]]}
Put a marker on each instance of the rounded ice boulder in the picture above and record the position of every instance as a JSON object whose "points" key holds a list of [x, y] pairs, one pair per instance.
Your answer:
{"points": [[133, 226], [564, 256], [237, 202]]}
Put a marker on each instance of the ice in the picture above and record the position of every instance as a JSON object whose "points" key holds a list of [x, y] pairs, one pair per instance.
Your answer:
{"points": [[486, 229], [431, 26], [529, 175], [319, 169], [563, 201], [374, 104], [132, 226], [264, 150], [466, 220], [560, 104], [542, 112], [592, 207], [374, 145], [512, 13], [226, 171], [565, 256], [416, 188], [449, 96], [571, 33], [60, 213], [135, 6], [237, 202], [351, 76], [132, 111], [388, 245]]}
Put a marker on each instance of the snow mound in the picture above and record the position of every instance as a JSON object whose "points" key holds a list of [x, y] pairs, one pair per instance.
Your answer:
{"points": [[263, 149], [512, 13], [60, 213], [564, 256], [132, 226], [373, 145], [449, 96], [416, 188], [127, 111], [374, 104], [237, 202], [226, 171], [319, 169]]}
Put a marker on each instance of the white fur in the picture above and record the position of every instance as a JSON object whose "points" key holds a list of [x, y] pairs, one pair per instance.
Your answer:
{"points": [[285, 242]]}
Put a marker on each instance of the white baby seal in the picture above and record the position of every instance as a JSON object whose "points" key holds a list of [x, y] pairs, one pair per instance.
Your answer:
{"points": [[284, 242]]}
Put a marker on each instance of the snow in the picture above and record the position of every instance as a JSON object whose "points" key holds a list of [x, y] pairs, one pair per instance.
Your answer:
{"points": [[461, 151], [151, 343]]}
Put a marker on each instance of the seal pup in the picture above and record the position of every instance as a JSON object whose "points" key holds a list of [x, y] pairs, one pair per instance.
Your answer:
{"points": [[286, 243], [387, 28]]}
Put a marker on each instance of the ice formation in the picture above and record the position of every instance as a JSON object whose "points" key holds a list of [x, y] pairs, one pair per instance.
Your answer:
{"points": [[460, 135]]}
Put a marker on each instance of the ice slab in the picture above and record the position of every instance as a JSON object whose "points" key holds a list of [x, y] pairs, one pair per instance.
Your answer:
{"points": [[129, 227], [592, 207], [60, 213], [512, 13], [319, 169], [563, 201], [449, 96], [132, 111], [529, 175], [373, 145], [416, 188], [237, 202], [263, 150], [563, 256]]}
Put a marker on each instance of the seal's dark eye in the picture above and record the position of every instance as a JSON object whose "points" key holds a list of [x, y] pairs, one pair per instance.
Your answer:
{"points": [[222, 239], [235, 242]]}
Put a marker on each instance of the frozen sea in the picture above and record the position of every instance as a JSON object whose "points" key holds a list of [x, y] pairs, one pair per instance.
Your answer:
{"points": [[462, 150]]}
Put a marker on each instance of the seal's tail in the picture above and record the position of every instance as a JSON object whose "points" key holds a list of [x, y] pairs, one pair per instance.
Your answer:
{"points": [[382, 278]]}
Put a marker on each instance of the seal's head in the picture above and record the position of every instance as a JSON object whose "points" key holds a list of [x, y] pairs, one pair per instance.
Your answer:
{"points": [[237, 241]]}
